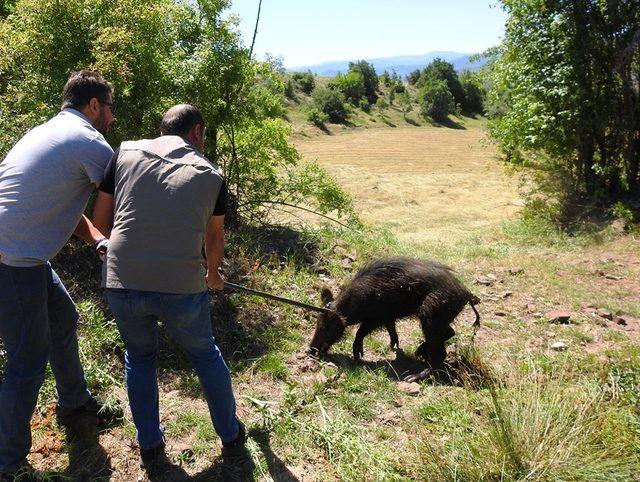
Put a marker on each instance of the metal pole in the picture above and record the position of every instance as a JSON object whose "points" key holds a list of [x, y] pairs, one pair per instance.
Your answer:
{"points": [[244, 289]]}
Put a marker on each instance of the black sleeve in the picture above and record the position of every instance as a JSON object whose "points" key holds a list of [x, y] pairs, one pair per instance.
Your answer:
{"points": [[221, 202], [108, 184]]}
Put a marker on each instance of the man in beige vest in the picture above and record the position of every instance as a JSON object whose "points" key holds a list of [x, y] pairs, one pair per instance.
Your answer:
{"points": [[160, 202]]}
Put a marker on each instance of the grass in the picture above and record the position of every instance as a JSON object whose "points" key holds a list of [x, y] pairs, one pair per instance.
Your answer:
{"points": [[507, 408]]}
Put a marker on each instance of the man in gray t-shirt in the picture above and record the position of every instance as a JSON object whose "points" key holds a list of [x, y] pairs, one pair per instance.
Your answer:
{"points": [[162, 201], [45, 182]]}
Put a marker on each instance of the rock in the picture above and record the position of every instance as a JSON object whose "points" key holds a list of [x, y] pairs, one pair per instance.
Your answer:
{"points": [[340, 251], [500, 313], [558, 316], [487, 280], [412, 388], [620, 320], [587, 306], [559, 346], [601, 322], [604, 314], [515, 270], [613, 277], [507, 294], [346, 263]]}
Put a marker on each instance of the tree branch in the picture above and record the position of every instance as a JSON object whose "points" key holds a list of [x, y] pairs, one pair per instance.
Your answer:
{"points": [[255, 30], [281, 203]]}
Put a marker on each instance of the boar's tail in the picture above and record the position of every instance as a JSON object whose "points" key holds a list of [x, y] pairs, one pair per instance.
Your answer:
{"points": [[474, 300]]}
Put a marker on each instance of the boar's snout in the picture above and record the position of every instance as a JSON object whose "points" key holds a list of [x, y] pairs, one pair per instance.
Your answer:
{"points": [[329, 329]]}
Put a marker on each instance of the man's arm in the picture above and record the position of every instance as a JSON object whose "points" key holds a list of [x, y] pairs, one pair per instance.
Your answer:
{"points": [[214, 250], [103, 213], [87, 231]]}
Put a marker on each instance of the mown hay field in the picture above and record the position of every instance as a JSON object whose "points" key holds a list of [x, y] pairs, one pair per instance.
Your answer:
{"points": [[421, 183]]}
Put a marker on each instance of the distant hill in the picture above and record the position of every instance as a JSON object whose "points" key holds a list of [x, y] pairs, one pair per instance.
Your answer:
{"points": [[403, 65]]}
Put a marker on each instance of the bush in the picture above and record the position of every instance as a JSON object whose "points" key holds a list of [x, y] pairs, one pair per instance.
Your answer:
{"points": [[351, 85], [404, 101], [289, 89], [331, 102], [382, 104], [436, 100], [442, 70], [306, 81], [364, 105], [316, 117]]}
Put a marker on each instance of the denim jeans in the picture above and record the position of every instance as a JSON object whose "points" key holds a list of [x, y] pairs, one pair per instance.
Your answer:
{"points": [[188, 321], [38, 323]]}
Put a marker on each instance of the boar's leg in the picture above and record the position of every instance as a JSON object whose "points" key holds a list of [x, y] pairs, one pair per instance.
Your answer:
{"points": [[394, 343], [436, 327], [365, 328]]}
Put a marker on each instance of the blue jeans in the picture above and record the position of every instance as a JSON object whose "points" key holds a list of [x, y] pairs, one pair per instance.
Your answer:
{"points": [[38, 323], [188, 321]]}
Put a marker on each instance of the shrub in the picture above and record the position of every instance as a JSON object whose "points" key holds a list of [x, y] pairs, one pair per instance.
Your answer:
{"points": [[382, 104], [306, 81], [436, 100], [331, 102], [316, 117], [365, 105], [289, 89], [404, 101]]}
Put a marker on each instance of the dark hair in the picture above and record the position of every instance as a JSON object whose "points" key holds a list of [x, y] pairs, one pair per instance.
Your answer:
{"points": [[83, 86], [180, 119]]}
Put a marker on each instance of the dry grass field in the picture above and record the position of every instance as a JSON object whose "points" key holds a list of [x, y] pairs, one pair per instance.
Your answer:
{"points": [[422, 183]]}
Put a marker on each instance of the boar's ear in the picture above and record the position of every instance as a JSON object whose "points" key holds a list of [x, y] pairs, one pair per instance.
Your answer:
{"points": [[326, 296]]}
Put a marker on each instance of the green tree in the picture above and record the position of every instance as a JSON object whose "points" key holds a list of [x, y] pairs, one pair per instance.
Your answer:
{"points": [[369, 77], [404, 102], [436, 100], [442, 70], [6, 7], [474, 92], [564, 93], [351, 85], [158, 53], [331, 102], [306, 81], [413, 77]]}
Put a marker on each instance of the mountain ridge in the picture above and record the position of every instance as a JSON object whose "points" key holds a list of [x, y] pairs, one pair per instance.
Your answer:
{"points": [[402, 64]]}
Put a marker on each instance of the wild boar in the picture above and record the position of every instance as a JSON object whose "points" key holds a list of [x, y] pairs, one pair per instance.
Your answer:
{"points": [[387, 290]]}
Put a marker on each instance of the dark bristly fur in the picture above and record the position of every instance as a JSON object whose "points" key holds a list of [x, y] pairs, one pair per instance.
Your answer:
{"points": [[387, 290]]}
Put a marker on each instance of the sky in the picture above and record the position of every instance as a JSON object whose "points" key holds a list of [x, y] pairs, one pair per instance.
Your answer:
{"points": [[307, 32]]}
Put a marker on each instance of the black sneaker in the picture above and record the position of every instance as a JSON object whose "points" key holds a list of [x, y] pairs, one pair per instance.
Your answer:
{"points": [[236, 460], [106, 414], [237, 443], [154, 460]]}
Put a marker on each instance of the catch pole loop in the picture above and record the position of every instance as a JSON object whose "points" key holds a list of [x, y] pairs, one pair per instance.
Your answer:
{"points": [[244, 289]]}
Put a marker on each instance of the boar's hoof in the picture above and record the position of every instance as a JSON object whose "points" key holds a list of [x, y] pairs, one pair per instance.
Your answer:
{"points": [[418, 376], [358, 350]]}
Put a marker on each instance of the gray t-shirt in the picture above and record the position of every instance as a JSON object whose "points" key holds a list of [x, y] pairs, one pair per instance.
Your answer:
{"points": [[45, 182], [165, 192]]}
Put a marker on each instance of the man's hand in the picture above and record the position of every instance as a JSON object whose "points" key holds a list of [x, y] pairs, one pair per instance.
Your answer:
{"points": [[215, 281]]}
